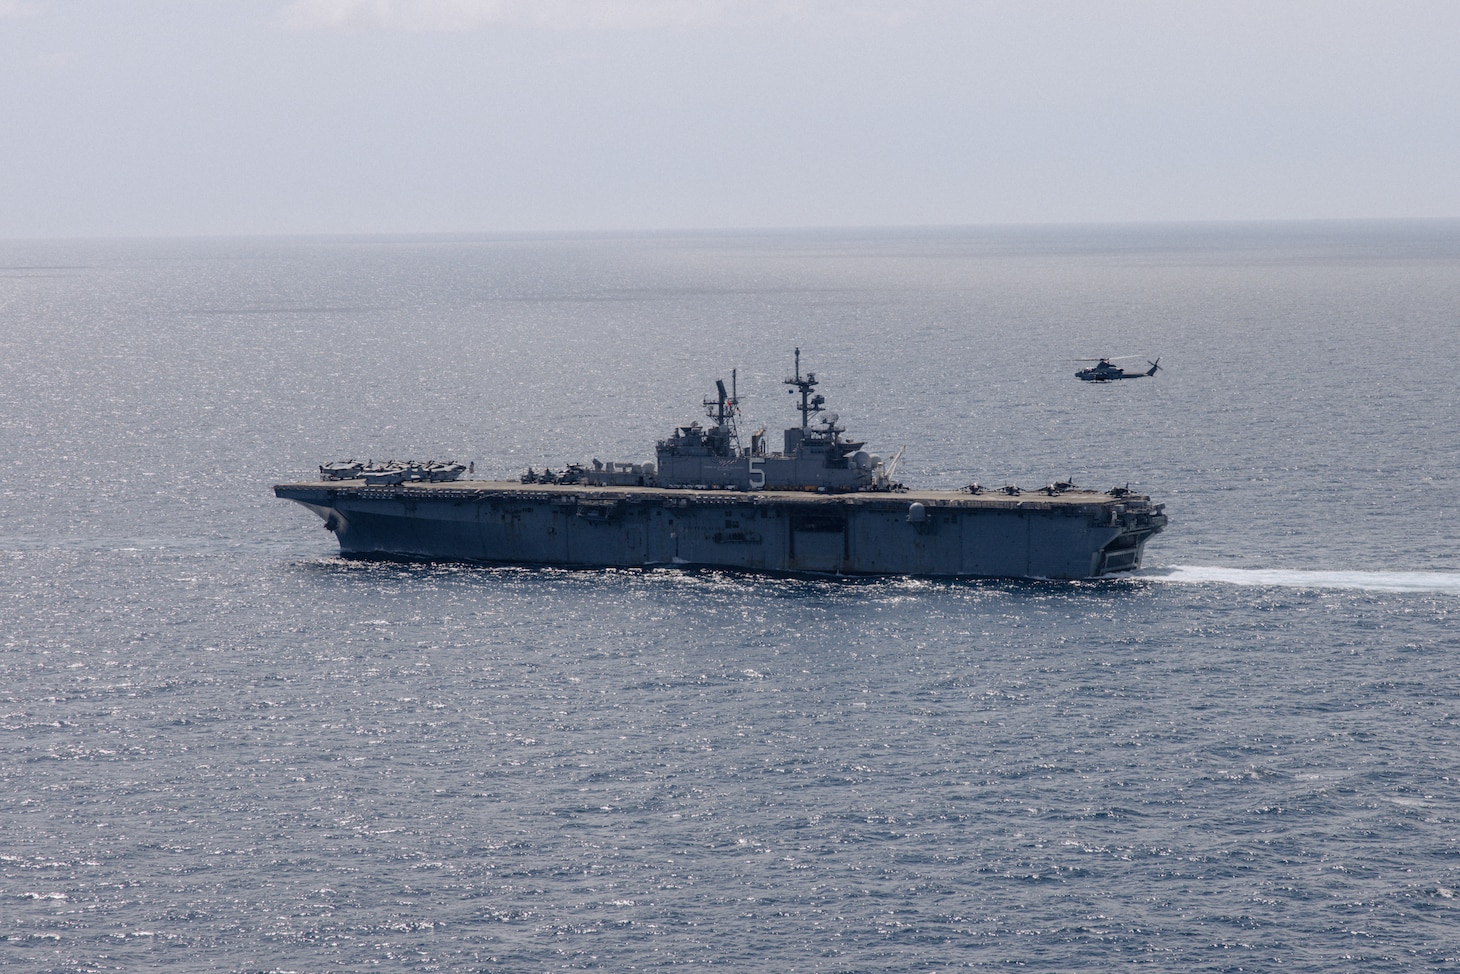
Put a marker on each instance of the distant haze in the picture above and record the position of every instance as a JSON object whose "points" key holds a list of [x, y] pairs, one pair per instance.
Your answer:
{"points": [[164, 117]]}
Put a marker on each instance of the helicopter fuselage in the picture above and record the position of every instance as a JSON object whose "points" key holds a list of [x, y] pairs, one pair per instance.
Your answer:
{"points": [[1106, 372]]}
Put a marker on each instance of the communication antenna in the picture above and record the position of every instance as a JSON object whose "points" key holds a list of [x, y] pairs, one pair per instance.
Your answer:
{"points": [[809, 403], [723, 408]]}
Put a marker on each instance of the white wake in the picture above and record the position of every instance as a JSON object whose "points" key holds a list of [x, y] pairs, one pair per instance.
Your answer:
{"points": [[1446, 583]]}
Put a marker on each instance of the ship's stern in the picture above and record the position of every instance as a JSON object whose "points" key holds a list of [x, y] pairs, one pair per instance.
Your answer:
{"points": [[1138, 521]]}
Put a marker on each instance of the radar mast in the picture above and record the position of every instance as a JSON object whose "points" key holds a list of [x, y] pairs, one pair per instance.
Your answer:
{"points": [[809, 403], [722, 410]]}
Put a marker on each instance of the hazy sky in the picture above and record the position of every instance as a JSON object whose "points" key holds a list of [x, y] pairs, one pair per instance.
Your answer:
{"points": [[141, 117]]}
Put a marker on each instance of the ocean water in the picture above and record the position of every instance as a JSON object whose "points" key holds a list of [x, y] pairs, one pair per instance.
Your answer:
{"points": [[222, 748]]}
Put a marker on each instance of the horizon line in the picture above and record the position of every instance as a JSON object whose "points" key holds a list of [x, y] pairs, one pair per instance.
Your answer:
{"points": [[737, 231]]}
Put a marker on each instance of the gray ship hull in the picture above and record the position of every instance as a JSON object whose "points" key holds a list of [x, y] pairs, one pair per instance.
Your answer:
{"points": [[1071, 535]]}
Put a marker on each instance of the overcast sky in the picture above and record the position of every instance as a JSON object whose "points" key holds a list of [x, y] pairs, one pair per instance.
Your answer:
{"points": [[145, 117]]}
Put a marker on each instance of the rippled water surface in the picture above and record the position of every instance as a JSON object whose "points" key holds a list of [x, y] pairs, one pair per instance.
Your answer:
{"points": [[223, 748]]}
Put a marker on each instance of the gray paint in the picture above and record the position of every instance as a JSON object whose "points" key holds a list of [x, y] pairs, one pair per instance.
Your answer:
{"points": [[1070, 535], [822, 505]]}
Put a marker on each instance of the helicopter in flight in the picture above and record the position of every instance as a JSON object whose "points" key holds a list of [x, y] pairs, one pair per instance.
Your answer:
{"points": [[1104, 371]]}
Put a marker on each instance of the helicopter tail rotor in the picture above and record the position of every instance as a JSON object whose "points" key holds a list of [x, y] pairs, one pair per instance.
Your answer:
{"points": [[1154, 366]]}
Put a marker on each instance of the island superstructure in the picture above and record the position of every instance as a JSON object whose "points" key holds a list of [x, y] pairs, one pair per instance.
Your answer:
{"points": [[822, 504]]}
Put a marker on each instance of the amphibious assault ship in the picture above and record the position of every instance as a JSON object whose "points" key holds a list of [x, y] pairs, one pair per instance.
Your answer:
{"points": [[822, 504]]}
